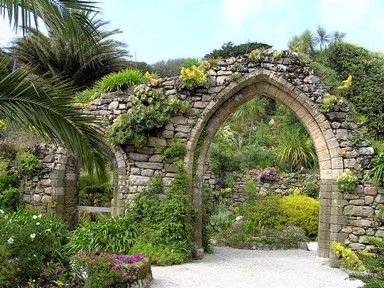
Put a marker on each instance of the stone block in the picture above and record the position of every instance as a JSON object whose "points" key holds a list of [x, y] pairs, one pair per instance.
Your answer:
{"points": [[46, 182], [155, 142], [366, 151], [363, 211], [138, 180], [135, 171], [147, 172], [372, 190], [358, 231], [149, 165], [155, 158], [167, 134]]}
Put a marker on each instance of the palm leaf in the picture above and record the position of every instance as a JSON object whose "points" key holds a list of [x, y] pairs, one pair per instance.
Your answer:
{"points": [[25, 13], [45, 105]]}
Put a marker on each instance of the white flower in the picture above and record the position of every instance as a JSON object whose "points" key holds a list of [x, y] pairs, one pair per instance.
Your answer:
{"points": [[32, 236], [34, 217], [10, 240], [1, 211], [37, 223], [48, 230]]}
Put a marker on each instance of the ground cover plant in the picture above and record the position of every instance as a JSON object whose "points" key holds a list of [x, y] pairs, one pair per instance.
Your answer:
{"points": [[282, 221]]}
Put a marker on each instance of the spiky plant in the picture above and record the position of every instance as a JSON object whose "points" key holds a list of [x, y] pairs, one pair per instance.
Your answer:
{"points": [[69, 53], [32, 102]]}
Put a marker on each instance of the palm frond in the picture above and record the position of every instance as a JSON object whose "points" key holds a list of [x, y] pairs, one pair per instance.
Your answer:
{"points": [[70, 54], [45, 105], [25, 13]]}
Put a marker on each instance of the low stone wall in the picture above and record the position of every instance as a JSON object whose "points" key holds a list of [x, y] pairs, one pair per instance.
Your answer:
{"points": [[143, 274], [281, 185]]}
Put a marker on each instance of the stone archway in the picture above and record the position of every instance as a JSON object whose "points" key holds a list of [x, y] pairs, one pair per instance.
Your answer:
{"points": [[266, 83], [281, 76]]}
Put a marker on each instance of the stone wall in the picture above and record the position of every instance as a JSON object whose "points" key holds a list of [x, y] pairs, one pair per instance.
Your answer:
{"points": [[54, 188], [282, 185], [234, 81]]}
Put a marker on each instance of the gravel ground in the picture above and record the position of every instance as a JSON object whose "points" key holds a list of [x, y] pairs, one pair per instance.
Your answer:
{"points": [[233, 268]]}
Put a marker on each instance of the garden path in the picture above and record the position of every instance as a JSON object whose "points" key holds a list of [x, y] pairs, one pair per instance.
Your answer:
{"points": [[233, 268]]}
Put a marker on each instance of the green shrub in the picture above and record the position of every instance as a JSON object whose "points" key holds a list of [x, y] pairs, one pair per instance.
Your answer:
{"points": [[31, 242], [301, 211], [311, 189], [250, 190], [329, 102], [347, 181], [264, 214], [366, 91], [164, 222], [10, 199], [159, 227], [8, 270], [95, 190], [8, 151], [221, 220], [108, 234], [190, 62], [27, 164], [276, 55], [173, 152], [7, 180], [235, 76], [229, 49], [151, 110], [121, 80], [295, 149], [255, 55], [86, 96], [377, 171], [374, 263]]}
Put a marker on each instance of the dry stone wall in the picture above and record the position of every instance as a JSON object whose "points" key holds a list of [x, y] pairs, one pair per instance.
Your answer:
{"points": [[282, 185], [232, 81]]}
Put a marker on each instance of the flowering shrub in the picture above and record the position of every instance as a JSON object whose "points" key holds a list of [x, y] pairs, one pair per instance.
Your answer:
{"points": [[31, 242], [347, 181], [109, 269], [267, 174]]}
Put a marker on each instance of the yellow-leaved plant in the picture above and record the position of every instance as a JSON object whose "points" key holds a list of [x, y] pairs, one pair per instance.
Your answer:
{"points": [[195, 76], [348, 258]]}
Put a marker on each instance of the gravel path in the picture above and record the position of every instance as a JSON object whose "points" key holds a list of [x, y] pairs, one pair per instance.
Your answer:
{"points": [[233, 268]]}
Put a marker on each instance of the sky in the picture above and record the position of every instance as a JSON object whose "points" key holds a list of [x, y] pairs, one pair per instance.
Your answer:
{"points": [[157, 30]]}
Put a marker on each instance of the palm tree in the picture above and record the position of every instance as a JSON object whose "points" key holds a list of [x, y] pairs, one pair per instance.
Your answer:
{"points": [[338, 36], [304, 43], [322, 38], [70, 53], [30, 101]]}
